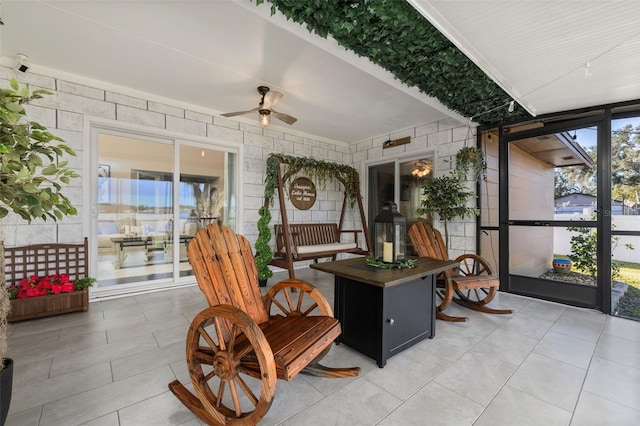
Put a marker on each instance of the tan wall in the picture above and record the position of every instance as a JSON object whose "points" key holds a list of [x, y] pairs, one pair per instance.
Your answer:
{"points": [[531, 184]]}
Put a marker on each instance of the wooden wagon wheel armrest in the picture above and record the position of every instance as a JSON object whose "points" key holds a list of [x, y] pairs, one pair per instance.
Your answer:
{"points": [[305, 287], [468, 256], [475, 258]]}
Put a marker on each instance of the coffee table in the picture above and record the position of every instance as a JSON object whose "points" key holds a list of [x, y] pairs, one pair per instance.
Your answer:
{"points": [[384, 311]]}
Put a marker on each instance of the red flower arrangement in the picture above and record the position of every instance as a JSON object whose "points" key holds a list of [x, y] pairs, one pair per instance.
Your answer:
{"points": [[34, 286]]}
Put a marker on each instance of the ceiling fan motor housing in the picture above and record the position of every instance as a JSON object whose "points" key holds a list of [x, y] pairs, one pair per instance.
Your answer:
{"points": [[264, 109]]}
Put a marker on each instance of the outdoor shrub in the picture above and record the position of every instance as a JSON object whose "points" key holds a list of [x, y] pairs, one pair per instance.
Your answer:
{"points": [[584, 251]]}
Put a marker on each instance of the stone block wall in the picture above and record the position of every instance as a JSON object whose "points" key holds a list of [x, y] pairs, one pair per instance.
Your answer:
{"points": [[66, 111], [443, 139]]}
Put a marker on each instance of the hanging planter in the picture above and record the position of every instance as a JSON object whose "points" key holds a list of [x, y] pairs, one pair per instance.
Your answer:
{"points": [[471, 159]]}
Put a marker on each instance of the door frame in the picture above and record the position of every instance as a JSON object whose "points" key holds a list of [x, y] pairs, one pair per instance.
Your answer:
{"points": [[600, 297], [396, 160], [96, 125]]}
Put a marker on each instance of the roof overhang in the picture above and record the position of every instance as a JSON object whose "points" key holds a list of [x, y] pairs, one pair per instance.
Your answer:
{"points": [[556, 149]]}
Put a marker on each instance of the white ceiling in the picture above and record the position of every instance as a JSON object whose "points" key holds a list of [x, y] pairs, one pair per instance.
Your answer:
{"points": [[213, 55], [550, 56]]}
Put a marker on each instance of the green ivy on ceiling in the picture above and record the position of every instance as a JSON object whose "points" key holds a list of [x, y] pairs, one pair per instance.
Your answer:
{"points": [[395, 36]]}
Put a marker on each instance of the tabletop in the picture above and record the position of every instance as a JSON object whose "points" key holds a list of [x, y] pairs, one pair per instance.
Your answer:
{"points": [[356, 269]]}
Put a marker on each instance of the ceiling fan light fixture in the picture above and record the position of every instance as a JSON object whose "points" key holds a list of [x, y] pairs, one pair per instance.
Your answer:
{"points": [[265, 117], [421, 169]]}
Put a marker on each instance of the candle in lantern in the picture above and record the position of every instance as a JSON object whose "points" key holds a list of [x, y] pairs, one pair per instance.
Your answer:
{"points": [[387, 252]]}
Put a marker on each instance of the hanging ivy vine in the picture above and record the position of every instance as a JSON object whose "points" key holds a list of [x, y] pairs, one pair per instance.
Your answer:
{"points": [[318, 170], [395, 36], [471, 159]]}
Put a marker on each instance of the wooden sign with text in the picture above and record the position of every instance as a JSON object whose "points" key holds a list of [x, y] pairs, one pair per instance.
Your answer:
{"points": [[302, 193]]}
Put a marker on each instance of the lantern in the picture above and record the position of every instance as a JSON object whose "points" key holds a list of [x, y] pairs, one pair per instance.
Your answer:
{"points": [[390, 230]]}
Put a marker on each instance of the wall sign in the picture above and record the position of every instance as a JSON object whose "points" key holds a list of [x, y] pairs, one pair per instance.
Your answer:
{"points": [[302, 193]]}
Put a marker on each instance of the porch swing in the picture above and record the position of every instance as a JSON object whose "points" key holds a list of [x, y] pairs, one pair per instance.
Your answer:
{"points": [[312, 241]]}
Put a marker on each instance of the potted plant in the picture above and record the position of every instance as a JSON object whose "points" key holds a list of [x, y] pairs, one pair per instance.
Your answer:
{"points": [[31, 178], [263, 251], [471, 159], [447, 196]]}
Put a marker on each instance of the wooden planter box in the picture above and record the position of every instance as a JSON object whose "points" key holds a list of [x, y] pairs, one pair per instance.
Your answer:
{"points": [[47, 259], [53, 304]]}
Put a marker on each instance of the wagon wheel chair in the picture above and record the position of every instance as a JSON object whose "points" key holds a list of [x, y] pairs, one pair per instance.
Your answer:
{"points": [[472, 296], [238, 347], [472, 281]]}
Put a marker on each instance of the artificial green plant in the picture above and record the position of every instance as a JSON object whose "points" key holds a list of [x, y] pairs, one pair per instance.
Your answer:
{"points": [[263, 250], [471, 159], [448, 197], [32, 175], [318, 170], [395, 36]]}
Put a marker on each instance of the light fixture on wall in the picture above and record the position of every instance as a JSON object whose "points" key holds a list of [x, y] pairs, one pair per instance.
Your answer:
{"points": [[202, 153], [421, 169], [23, 63], [265, 117]]}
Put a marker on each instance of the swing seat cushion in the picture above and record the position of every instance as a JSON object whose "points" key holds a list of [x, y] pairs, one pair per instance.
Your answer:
{"points": [[319, 248], [315, 240]]}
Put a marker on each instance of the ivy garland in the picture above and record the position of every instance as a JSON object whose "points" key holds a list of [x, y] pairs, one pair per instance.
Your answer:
{"points": [[318, 170], [395, 36], [377, 263]]}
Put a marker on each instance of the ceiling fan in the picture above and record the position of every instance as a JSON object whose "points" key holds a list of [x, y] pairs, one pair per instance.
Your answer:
{"points": [[264, 109]]}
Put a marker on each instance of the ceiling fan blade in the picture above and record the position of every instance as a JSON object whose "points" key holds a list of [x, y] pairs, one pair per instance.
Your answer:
{"points": [[270, 98], [233, 114], [284, 117]]}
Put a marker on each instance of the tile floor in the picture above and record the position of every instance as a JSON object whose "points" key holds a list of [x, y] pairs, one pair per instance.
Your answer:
{"points": [[547, 364]]}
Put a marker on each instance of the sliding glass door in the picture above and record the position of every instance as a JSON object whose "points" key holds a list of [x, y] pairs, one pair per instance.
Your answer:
{"points": [[152, 196], [398, 181]]}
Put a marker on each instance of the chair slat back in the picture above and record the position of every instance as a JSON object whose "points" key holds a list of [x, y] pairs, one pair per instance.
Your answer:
{"points": [[428, 241], [225, 270]]}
